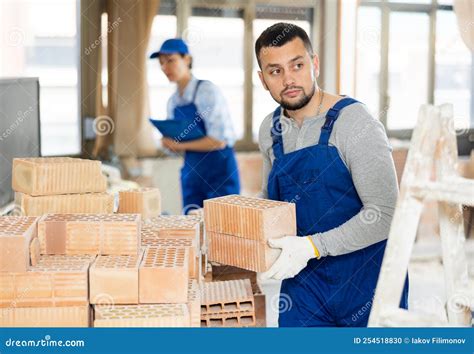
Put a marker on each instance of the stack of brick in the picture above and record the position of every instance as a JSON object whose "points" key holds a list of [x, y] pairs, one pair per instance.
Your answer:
{"points": [[187, 227], [227, 304], [59, 185], [239, 228], [51, 292], [143, 201]]}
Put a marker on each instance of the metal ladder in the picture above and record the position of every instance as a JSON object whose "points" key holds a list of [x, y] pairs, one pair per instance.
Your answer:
{"points": [[433, 148]]}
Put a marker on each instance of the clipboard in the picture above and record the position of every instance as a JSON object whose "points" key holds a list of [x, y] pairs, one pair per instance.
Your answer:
{"points": [[179, 130]]}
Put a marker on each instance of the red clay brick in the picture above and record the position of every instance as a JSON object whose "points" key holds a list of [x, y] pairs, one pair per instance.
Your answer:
{"points": [[194, 303], [164, 275], [250, 218], [241, 252], [35, 251], [150, 237], [65, 316], [54, 281], [57, 175], [153, 315], [92, 203], [144, 201], [239, 227], [229, 319], [226, 296], [106, 234], [114, 279], [16, 233], [176, 225]]}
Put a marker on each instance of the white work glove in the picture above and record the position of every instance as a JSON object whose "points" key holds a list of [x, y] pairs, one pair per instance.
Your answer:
{"points": [[296, 251]]}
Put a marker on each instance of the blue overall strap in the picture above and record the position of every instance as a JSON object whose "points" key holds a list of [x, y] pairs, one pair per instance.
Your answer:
{"points": [[196, 89], [331, 118], [276, 133]]}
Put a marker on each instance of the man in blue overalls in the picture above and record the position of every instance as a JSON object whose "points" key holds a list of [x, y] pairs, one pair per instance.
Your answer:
{"points": [[330, 157], [210, 168]]}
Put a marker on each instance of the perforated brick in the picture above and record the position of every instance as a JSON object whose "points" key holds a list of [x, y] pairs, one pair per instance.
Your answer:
{"points": [[229, 319], [16, 233], [239, 227], [114, 279], [153, 315], [65, 316], [249, 218], [226, 296], [144, 201], [240, 252], [54, 281], [35, 251], [106, 234], [175, 225], [57, 175], [222, 272], [93, 203], [194, 303], [150, 237], [164, 275]]}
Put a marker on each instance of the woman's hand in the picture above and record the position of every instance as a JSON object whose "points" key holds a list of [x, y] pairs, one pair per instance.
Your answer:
{"points": [[171, 144]]}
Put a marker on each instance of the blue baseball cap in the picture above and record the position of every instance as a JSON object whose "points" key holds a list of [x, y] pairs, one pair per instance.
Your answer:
{"points": [[171, 46]]}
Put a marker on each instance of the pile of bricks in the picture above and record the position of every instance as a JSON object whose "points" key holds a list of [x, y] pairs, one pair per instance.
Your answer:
{"points": [[239, 227], [227, 304], [39, 291], [59, 185], [82, 265]]}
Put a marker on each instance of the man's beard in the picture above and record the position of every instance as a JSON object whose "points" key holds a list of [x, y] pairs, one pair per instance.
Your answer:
{"points": [[301, 103]]}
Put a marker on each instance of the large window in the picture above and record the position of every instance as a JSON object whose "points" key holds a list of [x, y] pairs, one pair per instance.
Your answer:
{"points": [[410, 53], [40, 39], [219, 55]]}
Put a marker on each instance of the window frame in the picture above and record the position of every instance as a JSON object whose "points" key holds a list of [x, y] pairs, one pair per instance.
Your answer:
{"points": [[466, 139]]}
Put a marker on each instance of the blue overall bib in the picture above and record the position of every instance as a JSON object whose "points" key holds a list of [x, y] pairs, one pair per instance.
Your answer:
{"points": [[334, 290], [208, 174]]}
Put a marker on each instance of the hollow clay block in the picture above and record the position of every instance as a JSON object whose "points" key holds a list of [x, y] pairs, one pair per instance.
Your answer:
{"points": [[88, 203], [16, 234], [64, 316], [143, 315], [144, 201], [106, 234], [57, 175], [164, 275], [114, 279], [55, 281]]}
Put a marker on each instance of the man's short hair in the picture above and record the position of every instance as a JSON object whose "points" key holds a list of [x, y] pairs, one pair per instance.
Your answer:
{"points": [[279, 34]]}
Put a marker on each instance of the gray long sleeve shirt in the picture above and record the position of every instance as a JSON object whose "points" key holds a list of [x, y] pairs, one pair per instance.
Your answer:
{"points": [[364, 148]]}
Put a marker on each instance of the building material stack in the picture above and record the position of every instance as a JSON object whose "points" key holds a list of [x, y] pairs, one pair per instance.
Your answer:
{"points": [[59, 185]]}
